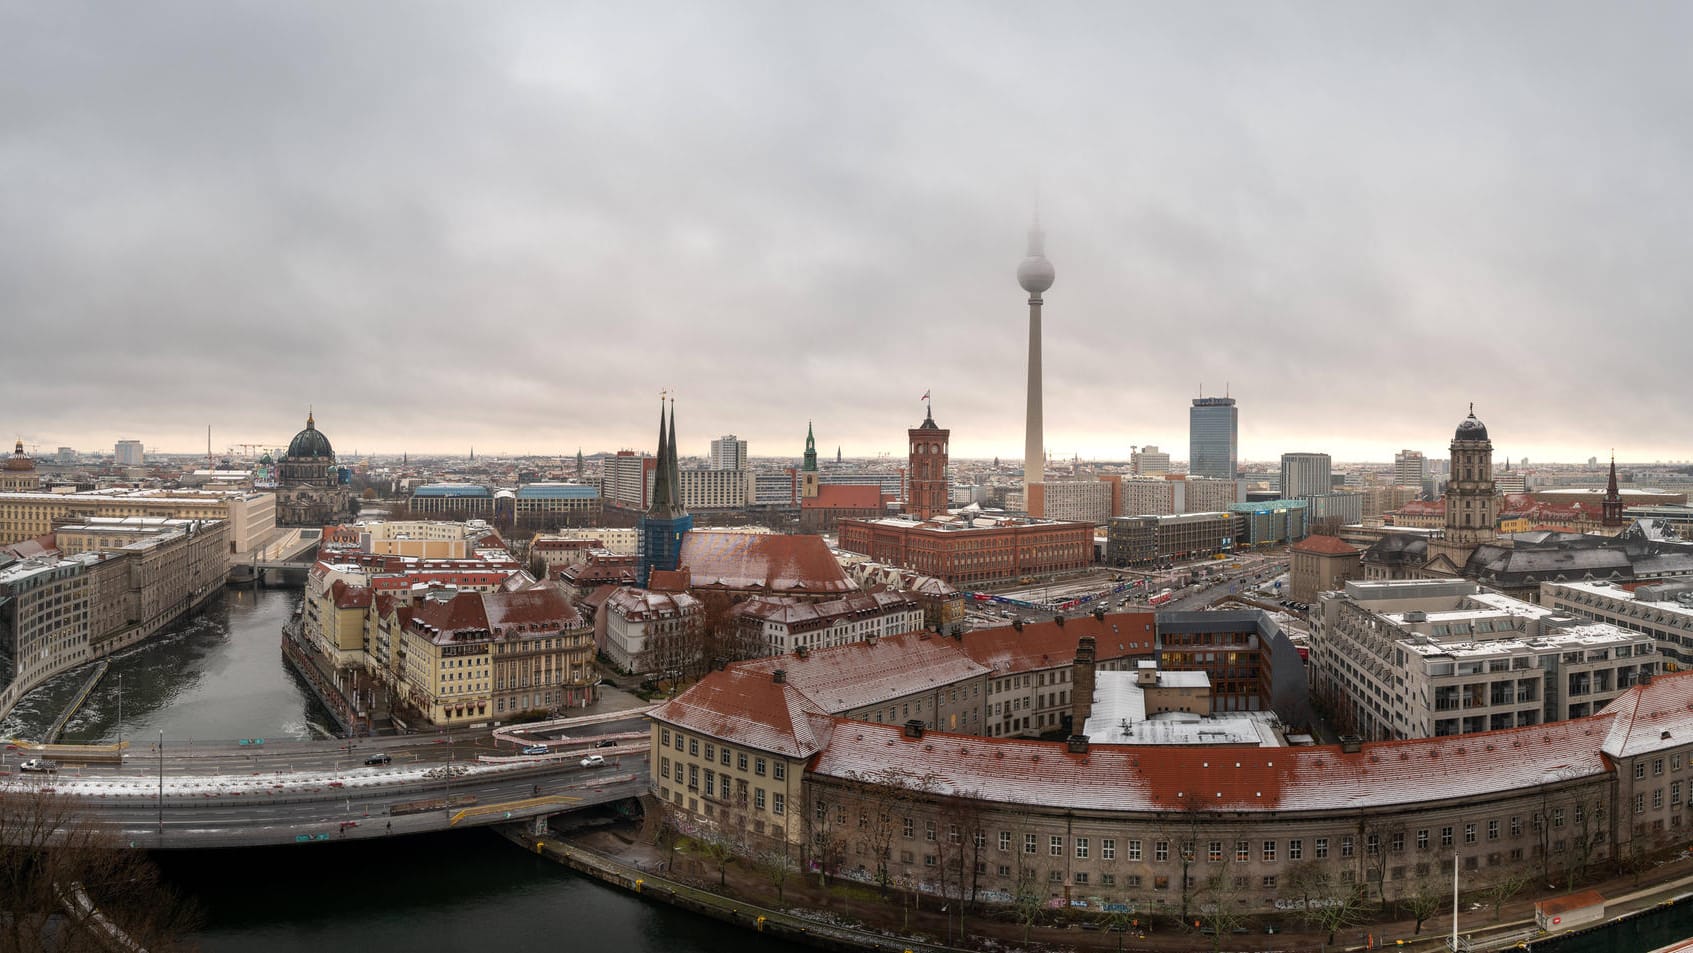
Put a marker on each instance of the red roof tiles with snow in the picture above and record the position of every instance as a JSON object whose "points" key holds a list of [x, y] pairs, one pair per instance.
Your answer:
{"points": [[1652, 716], [845, 677], [1158, 778], [1047, 644], [1326, 546], [752, 709], [770, 562]]}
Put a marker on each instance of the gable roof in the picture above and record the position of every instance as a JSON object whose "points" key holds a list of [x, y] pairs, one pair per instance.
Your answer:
{"points": [[1326, 546], [1041, 645], [771, 562], [1651, 717], [845, 677], [844, 496], [752, 709]]}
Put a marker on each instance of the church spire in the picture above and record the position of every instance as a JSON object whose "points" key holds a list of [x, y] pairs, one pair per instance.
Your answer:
{"points": [[661, 471], [810, 464], [1611, 507]]}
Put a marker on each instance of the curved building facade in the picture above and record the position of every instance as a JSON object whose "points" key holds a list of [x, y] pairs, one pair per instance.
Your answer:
{"points": [[1161, 829]]}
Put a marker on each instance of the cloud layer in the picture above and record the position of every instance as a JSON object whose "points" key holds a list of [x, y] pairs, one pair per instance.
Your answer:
{"points": [[511, 226]]}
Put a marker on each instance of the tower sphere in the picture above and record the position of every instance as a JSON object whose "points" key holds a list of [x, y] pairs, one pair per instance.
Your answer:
{"points": [[1035, 274]]}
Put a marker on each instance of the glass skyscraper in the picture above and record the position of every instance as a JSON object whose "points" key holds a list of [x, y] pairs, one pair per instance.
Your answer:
{"points": [[1213, 434]]}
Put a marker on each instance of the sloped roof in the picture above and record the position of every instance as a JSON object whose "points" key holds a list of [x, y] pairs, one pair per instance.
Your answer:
{"points": [[844, 496], [1651, 717], [633, 601], [1127, 778], [1326, 546], [770, 562], [1046, 644], [801, 613], [752, 709], [845, 677]]}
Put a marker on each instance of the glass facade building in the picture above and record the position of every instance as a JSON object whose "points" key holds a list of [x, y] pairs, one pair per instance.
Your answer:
{"points": [[1213, 436]]}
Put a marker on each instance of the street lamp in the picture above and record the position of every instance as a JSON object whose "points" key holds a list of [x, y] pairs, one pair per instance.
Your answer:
{"points": [[120, 716], [161, 784]]}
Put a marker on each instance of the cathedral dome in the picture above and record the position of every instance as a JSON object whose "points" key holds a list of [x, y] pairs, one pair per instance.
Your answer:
{"points": [[310, 442], [18, 461], [1471, 429]]}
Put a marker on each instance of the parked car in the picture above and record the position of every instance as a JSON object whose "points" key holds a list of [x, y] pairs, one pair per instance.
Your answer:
{"points": [[605, 743], [536, 749], [39, 764], [378, 758], [593, 761]]}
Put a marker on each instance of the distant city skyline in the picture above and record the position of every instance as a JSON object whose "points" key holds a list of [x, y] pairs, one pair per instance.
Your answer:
{"points": [[1357, 218]]}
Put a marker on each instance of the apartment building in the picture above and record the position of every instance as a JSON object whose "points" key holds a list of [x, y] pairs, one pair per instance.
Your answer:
{"points": [[1424, 658]]}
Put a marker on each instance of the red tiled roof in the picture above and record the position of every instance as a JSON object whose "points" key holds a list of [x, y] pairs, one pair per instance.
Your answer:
{"points": [[750, 707], [1656, 715], [1326, 546], [844, 677], [1158, 778], [1047, 644], [844, 496], [770, 562], [668, 580]]}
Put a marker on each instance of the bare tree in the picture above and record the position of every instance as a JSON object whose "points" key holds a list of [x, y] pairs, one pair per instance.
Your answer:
{"points": [[52, 857], [961, 850], [1028, 899], [1219, 902], [886, 797], [718, 848], [776, 865], [1426, 895], [1328, 903], [1499, 891]]}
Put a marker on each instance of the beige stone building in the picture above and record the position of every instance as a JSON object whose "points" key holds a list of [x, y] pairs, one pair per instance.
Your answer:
{"points": [[1321, 563], [752, 758], [110, 584], [470, 657], [250, 517]]}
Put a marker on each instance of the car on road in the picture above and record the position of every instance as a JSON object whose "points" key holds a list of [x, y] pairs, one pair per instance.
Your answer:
{"points": [[378, 758], [605, 743], [536, 749], [39, 764], [593, 761]]}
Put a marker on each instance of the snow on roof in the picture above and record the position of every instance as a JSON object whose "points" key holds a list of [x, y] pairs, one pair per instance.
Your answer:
{"points": [[845, 677], [1137, 778], [1651, 717], [752, 709], [1047, 644], [772, 562]]}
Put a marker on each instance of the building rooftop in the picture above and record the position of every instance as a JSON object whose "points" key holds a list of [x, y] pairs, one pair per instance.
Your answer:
{"points": [[558, 491], [452, 490]]}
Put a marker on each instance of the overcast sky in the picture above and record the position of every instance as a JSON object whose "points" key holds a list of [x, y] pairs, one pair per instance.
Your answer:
{"points": [[512, 226]]}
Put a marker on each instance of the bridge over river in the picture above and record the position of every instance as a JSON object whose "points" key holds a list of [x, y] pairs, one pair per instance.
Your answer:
{"points": [[252, 792]]}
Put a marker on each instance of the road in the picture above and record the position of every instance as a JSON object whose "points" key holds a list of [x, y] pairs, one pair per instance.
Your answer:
{"points": [[227, 794]]}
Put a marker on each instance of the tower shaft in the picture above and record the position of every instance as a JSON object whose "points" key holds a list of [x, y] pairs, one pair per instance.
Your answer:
{"points": [[1034, 440]]}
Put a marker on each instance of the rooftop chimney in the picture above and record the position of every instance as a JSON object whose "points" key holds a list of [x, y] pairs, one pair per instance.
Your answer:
{"points": [[780, 676], [1078, 744], [1351, 744], [1082, 684], [914, 728]]}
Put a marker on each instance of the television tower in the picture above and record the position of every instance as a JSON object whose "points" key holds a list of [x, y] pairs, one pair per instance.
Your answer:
{"points": [[1035, 274]]}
